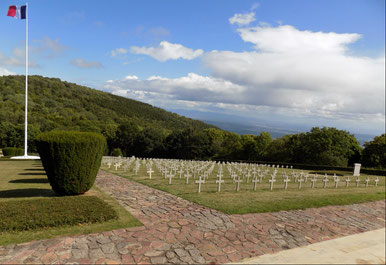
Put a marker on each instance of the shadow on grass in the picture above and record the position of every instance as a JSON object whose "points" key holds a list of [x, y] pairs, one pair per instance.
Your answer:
{"points": [[29, 181], [22, 193], [33, 173], [34, 169]]}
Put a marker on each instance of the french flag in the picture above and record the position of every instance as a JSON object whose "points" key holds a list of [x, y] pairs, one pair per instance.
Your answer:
{"points": [[19, 12]]}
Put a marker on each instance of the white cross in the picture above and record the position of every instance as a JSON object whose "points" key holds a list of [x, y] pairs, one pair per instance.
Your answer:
{"points": [[187, 176], [180, 172], [170, 176], [347, 181], [300, 180], [248, 175], [271, 181], [376, 181], [109, 164], [325, 180], [286, 180], [367, 181], [116, 165], [313, 180], [219, 181], [150, 171], [238, 183], [254, 180], [305, 178], [296, 178], [336, 180], [357, 181], [199, 182], [261, 176]]}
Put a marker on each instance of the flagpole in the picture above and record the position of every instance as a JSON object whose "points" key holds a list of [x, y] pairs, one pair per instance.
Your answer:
{"points": [[25, 156], [26, 84]]}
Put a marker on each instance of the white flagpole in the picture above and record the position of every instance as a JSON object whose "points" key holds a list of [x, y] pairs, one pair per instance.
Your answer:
{"points": [[25, 156], [26, 84]]}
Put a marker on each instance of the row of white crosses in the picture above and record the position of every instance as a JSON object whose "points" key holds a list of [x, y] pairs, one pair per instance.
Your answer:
{"points": [[170, 168], [237, 172]]}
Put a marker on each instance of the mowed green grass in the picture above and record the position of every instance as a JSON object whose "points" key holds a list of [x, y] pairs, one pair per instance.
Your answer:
{"points": [[263, 199], [24, 185]]}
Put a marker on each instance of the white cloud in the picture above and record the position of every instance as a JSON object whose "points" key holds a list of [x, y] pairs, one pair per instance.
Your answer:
{"points": [[292, 73], [307, 72], [4, 71], [131, 77], [288, 39], [192, 87], [50, 48], [46, 47], [17, 58], [242, 19], [118, 51], [81, 63], [168, 51]]}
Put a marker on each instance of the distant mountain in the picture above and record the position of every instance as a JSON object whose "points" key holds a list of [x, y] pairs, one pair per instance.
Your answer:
{"points": [[56, 104], [245, 125], [242, 125], [242, 128], [362, 138]]}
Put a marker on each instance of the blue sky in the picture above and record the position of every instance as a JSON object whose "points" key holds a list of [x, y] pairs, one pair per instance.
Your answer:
{"points": [[315, 63]]}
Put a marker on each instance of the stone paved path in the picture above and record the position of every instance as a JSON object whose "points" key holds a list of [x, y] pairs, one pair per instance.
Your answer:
{"points": [[178, 231]]}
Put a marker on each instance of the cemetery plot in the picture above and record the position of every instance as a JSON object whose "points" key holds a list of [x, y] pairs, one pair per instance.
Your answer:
{"points": [[249, 188]]}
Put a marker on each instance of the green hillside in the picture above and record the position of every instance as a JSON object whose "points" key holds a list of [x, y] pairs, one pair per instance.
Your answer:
{"points": [[56, 104]]}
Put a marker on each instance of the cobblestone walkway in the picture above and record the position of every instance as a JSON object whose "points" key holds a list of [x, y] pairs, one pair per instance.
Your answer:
{"points": [[178, 231]]}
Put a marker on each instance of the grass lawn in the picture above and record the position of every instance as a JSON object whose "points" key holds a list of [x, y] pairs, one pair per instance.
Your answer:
{"points": [[262, 200], [24, 185]]}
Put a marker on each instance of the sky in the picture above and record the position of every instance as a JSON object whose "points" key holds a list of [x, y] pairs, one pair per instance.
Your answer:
{"points": [[309, 63]]}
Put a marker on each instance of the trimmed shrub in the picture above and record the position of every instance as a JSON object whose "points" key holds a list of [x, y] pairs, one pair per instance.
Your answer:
{"points": [[71, 159], [13, 151], [53, 212], [116, 152]]}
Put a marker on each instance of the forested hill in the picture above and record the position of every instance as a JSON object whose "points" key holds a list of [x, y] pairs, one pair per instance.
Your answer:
{"points": [[56, 104]]}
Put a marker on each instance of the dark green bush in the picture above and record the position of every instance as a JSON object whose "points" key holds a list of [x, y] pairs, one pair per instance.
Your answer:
{"points": [[71, 159], [116, 152], [53, 212], [13, 151]]}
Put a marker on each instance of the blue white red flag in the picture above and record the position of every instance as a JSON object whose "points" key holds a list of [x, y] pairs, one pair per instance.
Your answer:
{"points": [[19, 12]]}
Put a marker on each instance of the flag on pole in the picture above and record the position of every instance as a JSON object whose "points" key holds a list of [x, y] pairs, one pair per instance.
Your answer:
{"points": [[17, 12], [20, 12]]}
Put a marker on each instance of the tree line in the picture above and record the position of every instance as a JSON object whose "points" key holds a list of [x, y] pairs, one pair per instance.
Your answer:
{"points": [[320, 146]]}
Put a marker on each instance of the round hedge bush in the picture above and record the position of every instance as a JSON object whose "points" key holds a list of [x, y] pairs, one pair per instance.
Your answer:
{"points": [[71, 159], [13, 151], [116, 152]]}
